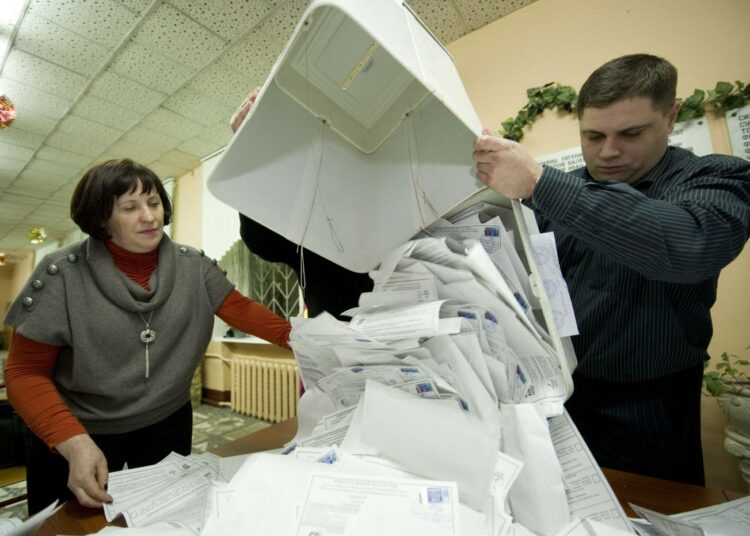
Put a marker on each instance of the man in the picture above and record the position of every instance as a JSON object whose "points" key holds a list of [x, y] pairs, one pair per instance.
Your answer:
{"points": [[643, 232]]}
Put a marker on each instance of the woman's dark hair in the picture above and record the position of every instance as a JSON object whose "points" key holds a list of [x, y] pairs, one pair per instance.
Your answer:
{"points": [[627, 77], [94, 196]]}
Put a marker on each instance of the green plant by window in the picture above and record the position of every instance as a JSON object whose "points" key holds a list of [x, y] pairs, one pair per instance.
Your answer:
{"points": [[548, 96], [726, 372], [725, 96]]}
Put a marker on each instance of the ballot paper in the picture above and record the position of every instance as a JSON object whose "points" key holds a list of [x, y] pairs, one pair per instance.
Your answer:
{"points": [[367, 506], [726, 519], [14, 527], [174, 490], [437, 441]]}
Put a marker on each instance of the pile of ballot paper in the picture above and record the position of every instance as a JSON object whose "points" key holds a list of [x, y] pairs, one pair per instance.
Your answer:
{"points": [[438, 409]]}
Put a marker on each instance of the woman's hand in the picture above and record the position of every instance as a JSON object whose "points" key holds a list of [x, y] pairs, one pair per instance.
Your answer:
{"points": [[239, 116], [87, 473]]}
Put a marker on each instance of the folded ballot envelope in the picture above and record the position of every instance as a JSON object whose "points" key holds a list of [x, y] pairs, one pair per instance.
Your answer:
{"points": [[361, 136]]}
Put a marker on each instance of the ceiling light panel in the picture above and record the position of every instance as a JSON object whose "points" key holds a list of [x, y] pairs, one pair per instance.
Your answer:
{"points": [[179, 37], [43, 75], [228, 19], [105, 22], [125, 92], [152, 69], [107, 113], [47, 40]]}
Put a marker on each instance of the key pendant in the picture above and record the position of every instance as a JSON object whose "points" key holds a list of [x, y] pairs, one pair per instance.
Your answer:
{"points": [[148, 336]]}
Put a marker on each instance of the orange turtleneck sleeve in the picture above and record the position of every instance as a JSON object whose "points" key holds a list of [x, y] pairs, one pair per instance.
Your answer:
{"points": [[30, 366]]}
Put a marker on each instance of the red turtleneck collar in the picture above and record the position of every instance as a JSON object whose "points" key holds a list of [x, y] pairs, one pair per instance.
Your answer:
{"points": [[137, 266]]}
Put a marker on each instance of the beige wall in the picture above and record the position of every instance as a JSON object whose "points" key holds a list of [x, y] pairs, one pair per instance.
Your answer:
{"points": [[563, 41], [188, 209]]}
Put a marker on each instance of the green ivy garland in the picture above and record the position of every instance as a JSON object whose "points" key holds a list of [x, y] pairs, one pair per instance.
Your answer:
{"points": [[725, 96]]}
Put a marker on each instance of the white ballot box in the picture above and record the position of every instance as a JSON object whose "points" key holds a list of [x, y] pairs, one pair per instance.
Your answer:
{"points": [[361, 136]]}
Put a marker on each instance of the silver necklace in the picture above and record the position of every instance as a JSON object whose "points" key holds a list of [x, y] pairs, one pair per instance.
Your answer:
{"points": [[148, 336]]}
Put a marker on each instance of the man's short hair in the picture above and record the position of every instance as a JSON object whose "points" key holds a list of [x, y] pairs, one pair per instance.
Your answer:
{"points": [[627, 77]]}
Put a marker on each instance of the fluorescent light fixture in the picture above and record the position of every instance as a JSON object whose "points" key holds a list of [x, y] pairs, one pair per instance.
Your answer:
{"points": [[11, 13]]}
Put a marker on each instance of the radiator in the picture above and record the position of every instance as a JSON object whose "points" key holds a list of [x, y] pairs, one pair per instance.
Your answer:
{"points": [[266, 388]]}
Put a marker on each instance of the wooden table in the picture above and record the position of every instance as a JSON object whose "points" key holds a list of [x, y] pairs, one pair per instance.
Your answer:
{"points": [[660, 495]]}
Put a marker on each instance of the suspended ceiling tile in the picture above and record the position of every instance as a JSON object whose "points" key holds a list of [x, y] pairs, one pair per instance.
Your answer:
{"points": [[200, 147], [172, 124], [150, 68], [223, 84], [200, 108], [256, 52], [82, 127], [18, 136], [125, 92], [479, 13], [227, 19], [53, 154], [179, 38], [16, 152], [284, 19], [156, 140], [164, 170], [47, 40], [10, 167], [31, 100], [441, 18], [102, 21], [139, 153], [51, 182], [53, 168], [136, 6], [84, 146], [107, 113], [48, 214], [32, 121], [220, 134], [62, 196], [180, 159], [43, 75]]}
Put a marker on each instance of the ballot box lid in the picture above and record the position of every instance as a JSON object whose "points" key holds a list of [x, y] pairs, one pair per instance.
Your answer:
{"points": [[362, 135]]}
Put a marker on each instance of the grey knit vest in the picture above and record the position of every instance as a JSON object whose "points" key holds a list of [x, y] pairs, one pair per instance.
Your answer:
{"points": [[78, 299]]}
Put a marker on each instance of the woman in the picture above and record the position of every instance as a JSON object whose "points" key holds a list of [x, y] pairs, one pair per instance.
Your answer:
{"points": [[108, 333]]}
